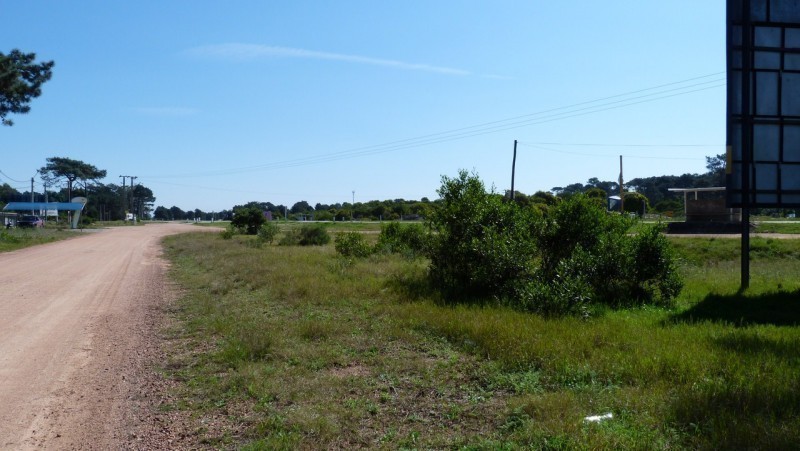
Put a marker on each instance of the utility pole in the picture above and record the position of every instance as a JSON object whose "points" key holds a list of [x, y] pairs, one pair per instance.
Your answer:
{"points": [[46, 199], [133, 199], [124, 216], [125, 197], [513, 169], [621, 196], [353, 206]]}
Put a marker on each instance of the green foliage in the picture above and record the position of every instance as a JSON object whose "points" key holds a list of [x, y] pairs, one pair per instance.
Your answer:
{"points": [[597, 193], [306, 235], [574, 256], [636, 203], [267, 232], [352, 244], [228, 232], [483, 244], [588, 257], [653, 273], [71, 169], [20, 82], [409, 239], [7, 237], [248, 220]]}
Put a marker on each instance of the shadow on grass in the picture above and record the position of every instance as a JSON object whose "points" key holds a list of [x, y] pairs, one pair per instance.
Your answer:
{"points": [[761, 416], [411, 287], [778, 309]]}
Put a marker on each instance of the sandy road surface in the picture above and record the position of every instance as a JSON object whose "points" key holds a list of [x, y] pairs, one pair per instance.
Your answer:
{"points": [[76, 322]]}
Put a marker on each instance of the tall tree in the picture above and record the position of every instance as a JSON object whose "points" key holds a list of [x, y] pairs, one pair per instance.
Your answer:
{"points": [[716, 169], [71, 170], [177, 214], [300, 207], [143, 199], [8, 193], [20, 82], [162, 214]]}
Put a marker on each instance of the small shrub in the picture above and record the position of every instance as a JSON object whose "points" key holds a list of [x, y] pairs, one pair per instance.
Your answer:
{"points": [[228, 233], [408, 239], [267, 232], [352, 244], [307, 235], [314, 235], [654, 267], [248, 220]]}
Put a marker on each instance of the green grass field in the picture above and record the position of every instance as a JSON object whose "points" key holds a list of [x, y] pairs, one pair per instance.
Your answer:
{"points": [[778, 227], [296, 347]]}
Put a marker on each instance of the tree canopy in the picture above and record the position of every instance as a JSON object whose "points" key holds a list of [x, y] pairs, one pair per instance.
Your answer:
{"points": [[248, 220], [20, 82], [71, 170]]}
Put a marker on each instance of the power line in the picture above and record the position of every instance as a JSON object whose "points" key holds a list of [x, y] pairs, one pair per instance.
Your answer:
{"points": [[621, 145], [13, 180], [608, 155], [550, 115]]}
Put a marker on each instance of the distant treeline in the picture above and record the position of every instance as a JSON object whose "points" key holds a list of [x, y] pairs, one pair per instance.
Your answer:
{"points": [[654, 189]]}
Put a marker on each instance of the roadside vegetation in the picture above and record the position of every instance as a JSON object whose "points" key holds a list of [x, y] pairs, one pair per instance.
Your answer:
{"points": [[352, 344], [289, 346], [18, 238]]}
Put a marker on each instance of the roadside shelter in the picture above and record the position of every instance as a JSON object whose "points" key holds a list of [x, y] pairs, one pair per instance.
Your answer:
{"points": [[75, 208]]}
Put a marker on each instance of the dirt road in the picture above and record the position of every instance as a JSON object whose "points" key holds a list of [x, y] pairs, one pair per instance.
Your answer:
{"points": [[77, 321]]}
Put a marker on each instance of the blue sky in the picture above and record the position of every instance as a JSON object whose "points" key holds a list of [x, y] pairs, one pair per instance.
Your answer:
{"points": [[213, 104]]}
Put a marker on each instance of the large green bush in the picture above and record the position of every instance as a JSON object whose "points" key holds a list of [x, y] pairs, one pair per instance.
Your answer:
{"points": [[482, 244], [560, 260], [581, 244]]}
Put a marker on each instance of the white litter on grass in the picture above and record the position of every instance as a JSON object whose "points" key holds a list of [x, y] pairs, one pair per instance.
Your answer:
{"points": [[598, 418]]}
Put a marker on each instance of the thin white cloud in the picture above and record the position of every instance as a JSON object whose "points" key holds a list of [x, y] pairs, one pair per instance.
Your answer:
{"points": [[247, 52], [166, 111]]}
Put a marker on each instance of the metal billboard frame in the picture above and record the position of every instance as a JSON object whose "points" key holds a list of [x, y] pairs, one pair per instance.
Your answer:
{"points": [[763, 126], [763, 110]]}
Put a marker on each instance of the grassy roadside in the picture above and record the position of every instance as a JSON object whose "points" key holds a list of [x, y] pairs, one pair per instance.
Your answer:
{"points": [[302, 349], [288, 347], [778, 227], [13, 239]]}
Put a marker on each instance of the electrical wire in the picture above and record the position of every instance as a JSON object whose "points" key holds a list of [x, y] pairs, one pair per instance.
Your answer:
{"points": [[617, 145], [550, 115], [13, 180], [606, 155]]}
